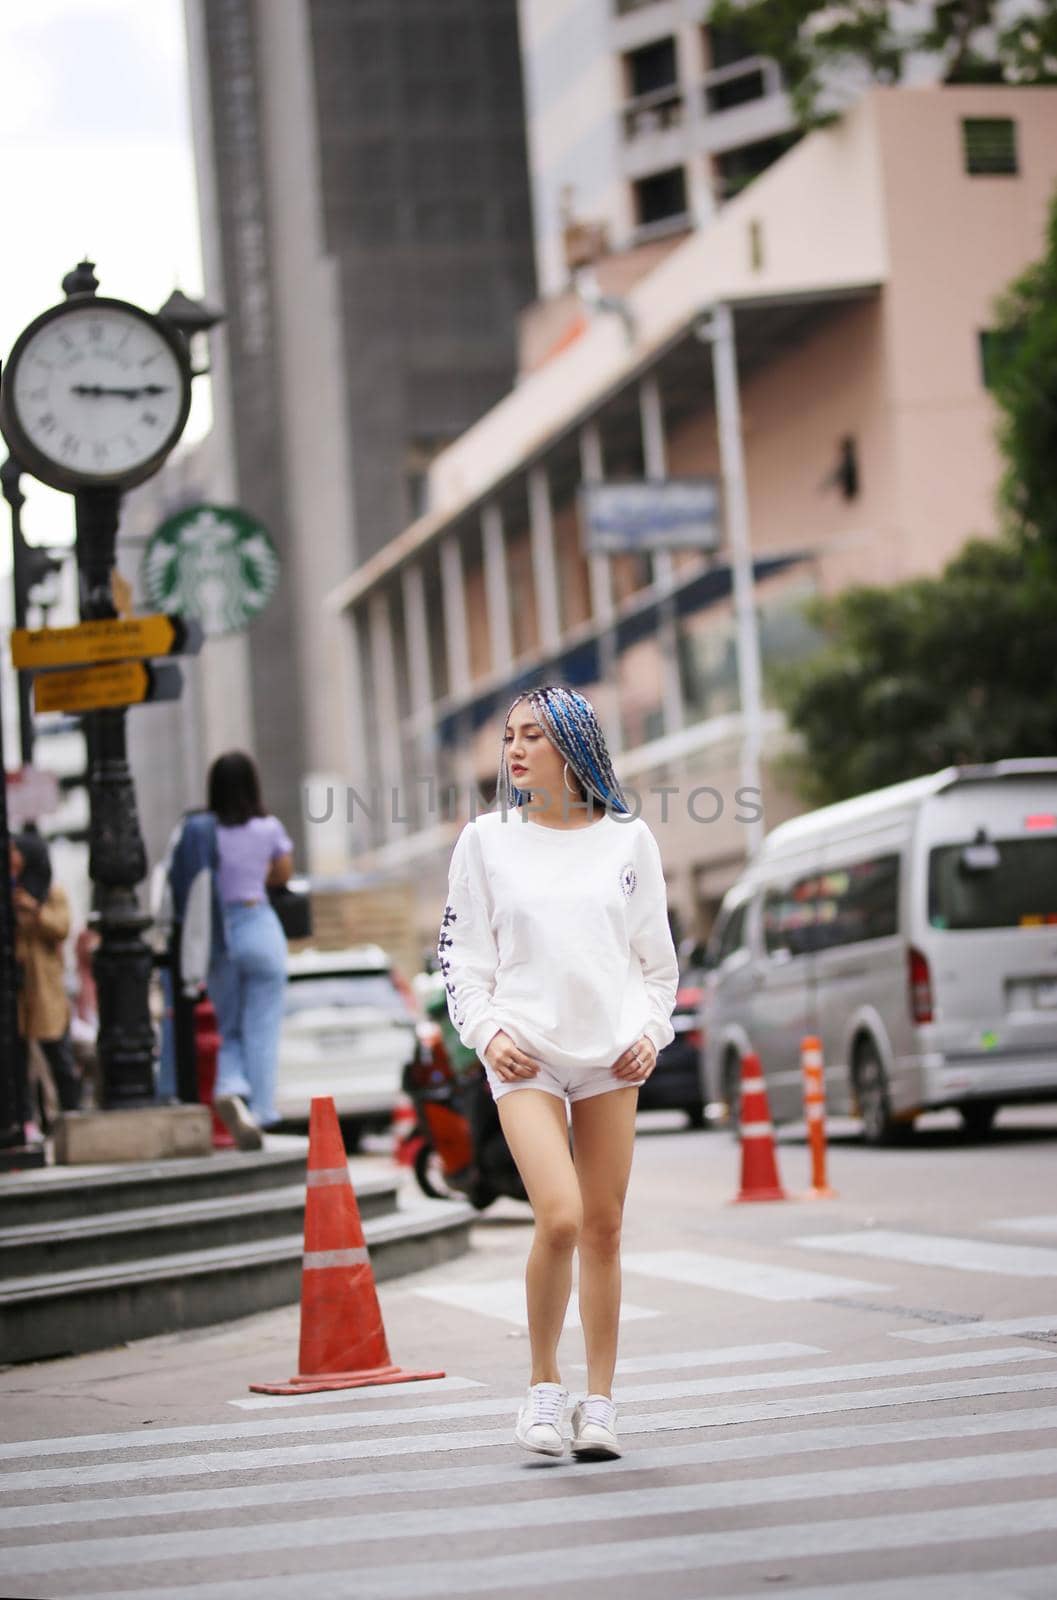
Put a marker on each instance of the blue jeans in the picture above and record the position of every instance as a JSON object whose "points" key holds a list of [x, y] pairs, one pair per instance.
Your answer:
{"points": [[246, 984]]}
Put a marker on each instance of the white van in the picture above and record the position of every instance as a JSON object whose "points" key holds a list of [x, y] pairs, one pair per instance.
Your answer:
{"points": [[914, 930]]}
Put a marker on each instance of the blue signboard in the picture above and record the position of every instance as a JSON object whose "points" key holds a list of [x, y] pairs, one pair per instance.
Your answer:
{"points": [[660, 514]]}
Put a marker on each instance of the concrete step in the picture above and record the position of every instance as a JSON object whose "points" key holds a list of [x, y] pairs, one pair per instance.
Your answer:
{"points": [[110, 1238], [67, 1313], [54, 1194]]}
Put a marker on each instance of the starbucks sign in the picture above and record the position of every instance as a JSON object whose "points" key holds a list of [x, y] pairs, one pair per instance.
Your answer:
{"points": [[215, 563]]}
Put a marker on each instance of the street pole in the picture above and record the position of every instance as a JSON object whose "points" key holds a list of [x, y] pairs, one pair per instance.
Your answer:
{"points": [[10, 474], [117, 859], [720, 333]]}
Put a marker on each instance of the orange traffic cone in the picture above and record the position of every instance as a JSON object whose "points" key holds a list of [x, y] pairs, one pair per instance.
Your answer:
{"points": [[759, 1165], [815, 1115], [403, 1127], [343, 1343]]}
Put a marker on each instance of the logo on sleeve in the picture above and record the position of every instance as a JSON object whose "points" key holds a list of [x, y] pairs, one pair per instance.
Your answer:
{"points": [[628, 880]]}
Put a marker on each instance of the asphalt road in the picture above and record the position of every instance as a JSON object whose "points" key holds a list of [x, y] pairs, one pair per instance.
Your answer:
{"points": [[850, 1397]]}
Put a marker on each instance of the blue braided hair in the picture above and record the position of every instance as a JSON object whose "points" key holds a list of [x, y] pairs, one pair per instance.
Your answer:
{"points": [[571, 723]]}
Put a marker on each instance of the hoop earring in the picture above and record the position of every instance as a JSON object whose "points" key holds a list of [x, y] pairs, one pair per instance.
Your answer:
{"points": [[565, 781]]}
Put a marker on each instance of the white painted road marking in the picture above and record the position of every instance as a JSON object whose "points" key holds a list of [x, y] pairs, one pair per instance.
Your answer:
{"points": [[718, 1356], [547, 1511], [1012, 1583], [1028, 1224], [407, 1482], [591, 1561], [504, 1298], [499, 1405], [744, 1277], [1043, 1322], [221, 1462], [397, 1391], [939, 1250]]}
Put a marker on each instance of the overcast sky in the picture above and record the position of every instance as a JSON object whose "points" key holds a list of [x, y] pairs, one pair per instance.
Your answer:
{"points": [[96, 159]]}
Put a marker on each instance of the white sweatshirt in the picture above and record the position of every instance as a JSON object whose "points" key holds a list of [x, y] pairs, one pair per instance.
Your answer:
{"points": [[559, 937]]}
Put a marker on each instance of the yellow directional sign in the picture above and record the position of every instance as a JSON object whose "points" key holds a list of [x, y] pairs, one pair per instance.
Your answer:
{"points": [[111, 639], [127, 683]]}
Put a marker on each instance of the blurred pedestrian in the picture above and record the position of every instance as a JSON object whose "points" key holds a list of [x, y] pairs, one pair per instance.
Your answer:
{"points": [[247, 977], [42, 925]]}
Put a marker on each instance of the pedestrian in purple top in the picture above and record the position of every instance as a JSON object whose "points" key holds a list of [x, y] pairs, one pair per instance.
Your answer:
{"points": [[247, 979]]}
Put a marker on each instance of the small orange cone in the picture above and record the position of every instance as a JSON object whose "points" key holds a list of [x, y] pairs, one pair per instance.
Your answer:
{"points": [[343, 1344], [759, 1164], [403, 1128], [815, 1115]]}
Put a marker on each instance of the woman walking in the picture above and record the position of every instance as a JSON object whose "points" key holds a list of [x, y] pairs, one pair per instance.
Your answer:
{"points": [[247, 977], [561, 974]]}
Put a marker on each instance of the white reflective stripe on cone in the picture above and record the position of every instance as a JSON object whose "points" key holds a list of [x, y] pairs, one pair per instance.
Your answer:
{"points": [[752, 1085], [325, 1176], [756, 1130], [336, 1258]]}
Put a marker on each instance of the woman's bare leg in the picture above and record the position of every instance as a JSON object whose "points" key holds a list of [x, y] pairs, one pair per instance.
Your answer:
{"points": [[603, 1140], [537, 1132]]}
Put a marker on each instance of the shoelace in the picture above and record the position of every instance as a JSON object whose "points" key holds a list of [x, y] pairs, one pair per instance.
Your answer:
{"points": [[547, 1405], [598, 1409]]}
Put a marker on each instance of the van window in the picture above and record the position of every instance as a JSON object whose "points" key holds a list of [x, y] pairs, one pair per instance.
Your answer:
{"points": [[731, 935], [1020, 892], [789, 915], [859, 901]]}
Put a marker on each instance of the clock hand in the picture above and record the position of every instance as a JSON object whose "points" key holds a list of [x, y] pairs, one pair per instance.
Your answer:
{"points": [[96, 389]]}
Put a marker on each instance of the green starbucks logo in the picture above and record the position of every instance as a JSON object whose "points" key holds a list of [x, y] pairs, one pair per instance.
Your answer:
{"points": [[215, 563]]}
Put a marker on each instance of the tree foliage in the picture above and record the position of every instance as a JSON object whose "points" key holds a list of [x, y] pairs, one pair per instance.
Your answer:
{"points": [[816, 41], [963, 667]]}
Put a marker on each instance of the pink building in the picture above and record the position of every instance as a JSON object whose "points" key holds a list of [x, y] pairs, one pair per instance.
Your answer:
{"points": [[862, 270]]}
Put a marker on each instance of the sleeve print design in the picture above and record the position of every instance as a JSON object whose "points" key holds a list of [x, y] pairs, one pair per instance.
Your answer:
{"points": [[466, 949], [651, 940]]}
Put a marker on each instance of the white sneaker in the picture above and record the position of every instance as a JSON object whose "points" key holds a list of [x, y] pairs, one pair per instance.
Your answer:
{"points": [[595, 1429], [539, 1422]]}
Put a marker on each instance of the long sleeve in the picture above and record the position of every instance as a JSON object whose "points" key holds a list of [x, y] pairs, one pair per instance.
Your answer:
{"points": [[651, 940], [466, 948]]}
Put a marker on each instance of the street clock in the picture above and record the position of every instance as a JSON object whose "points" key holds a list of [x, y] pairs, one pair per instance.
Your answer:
{"points": [[95, 394]]}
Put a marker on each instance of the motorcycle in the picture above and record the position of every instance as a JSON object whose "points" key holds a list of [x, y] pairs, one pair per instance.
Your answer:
{"points": [[457, 1145]]}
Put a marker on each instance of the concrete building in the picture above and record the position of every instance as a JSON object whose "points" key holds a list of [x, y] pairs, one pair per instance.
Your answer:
{"points": [[366, 226], [862, 270]]}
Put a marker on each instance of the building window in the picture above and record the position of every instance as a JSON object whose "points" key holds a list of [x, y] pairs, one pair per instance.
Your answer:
{"points": [[997, 347], [990, 145], [727, 46], [623, 7], [651, 68], [735, 169], [660, 197]]}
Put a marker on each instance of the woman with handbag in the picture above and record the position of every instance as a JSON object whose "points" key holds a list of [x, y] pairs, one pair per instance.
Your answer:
{"points": [[247, 976], [562, 974]]}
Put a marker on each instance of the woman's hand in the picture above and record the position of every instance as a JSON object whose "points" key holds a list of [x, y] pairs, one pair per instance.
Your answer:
{"points": [[637, 1062], [507, 1061]]}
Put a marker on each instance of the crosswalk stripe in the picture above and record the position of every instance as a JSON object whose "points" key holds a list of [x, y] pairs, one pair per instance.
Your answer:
{"points": [[691, 1553], [1011, 1583], [407, 1482], [721, 1356], [498, 1405], [277, 1402], [504, 1298], [551, 1511], [1044, 1322], [221, 1462], [1028, 1224], [940, 1250], [754, 1278]]}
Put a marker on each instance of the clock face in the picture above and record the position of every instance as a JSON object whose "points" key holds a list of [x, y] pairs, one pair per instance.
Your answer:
{"points": [[98, 392]]}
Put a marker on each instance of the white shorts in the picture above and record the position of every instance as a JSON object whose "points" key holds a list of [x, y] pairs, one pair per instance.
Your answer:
{"points": [[580, 1083]]}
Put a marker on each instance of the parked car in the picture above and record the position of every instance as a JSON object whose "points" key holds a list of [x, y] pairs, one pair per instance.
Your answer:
{"points": [[675, 1083], [349, 1031], [914, 930]]}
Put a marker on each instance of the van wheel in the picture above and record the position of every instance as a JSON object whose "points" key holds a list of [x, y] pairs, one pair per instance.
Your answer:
{"points": [[732, 1091], [871, 1091], [977, 1117]]}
